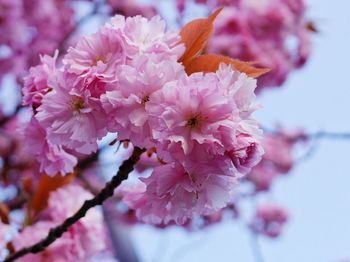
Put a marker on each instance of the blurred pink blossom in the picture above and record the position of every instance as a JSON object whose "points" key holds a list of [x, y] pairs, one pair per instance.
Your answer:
{"points": [[30, 28], [278, 158], [4, 229], [132, 8], [81, 242], [272, 33], [269, 220]]}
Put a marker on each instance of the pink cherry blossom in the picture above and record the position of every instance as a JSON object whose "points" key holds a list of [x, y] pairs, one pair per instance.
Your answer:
{"points": [[53, 159], [246, 155], [96, 57], [203, 113], [193, 111], [126, 106], [143, 35], [241, 88], [36, 84], [173, 194], [72, 119]]}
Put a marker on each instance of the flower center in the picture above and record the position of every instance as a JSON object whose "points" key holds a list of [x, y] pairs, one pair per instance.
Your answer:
{"points": [[101, 59], [193, 121], [145, 99], [77, 104]]}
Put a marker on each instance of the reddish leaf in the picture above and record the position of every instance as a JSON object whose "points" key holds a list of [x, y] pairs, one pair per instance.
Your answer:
{"points": [[46, 185], [4, 213], [195, 35], [210, 63]]}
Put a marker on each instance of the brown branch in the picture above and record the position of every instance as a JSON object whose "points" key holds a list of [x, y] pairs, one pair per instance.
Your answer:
{"points": [[123, 172]]}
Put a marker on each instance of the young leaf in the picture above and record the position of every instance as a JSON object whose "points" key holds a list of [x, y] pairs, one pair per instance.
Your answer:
{"points": [[46, 185], [210, 63], [195, 35]]}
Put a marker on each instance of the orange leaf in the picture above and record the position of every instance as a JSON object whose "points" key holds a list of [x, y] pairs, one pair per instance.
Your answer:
{"points": [[4, 213], [210, 63], [195, 35], [311, 27], [47, 184]]}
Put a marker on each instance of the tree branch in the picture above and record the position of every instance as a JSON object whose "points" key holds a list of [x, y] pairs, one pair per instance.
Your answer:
{"points": [[123, 172]]}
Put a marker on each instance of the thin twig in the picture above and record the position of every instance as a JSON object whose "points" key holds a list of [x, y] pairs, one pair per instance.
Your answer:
{"points": [[314, 135], [256, 249], [328, 135], [123, 172]]}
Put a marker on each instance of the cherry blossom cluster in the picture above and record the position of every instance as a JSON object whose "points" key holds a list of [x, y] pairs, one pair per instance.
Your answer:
{"points": [[277, 161], [126, 79], [129, 80], [274, 33]]}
